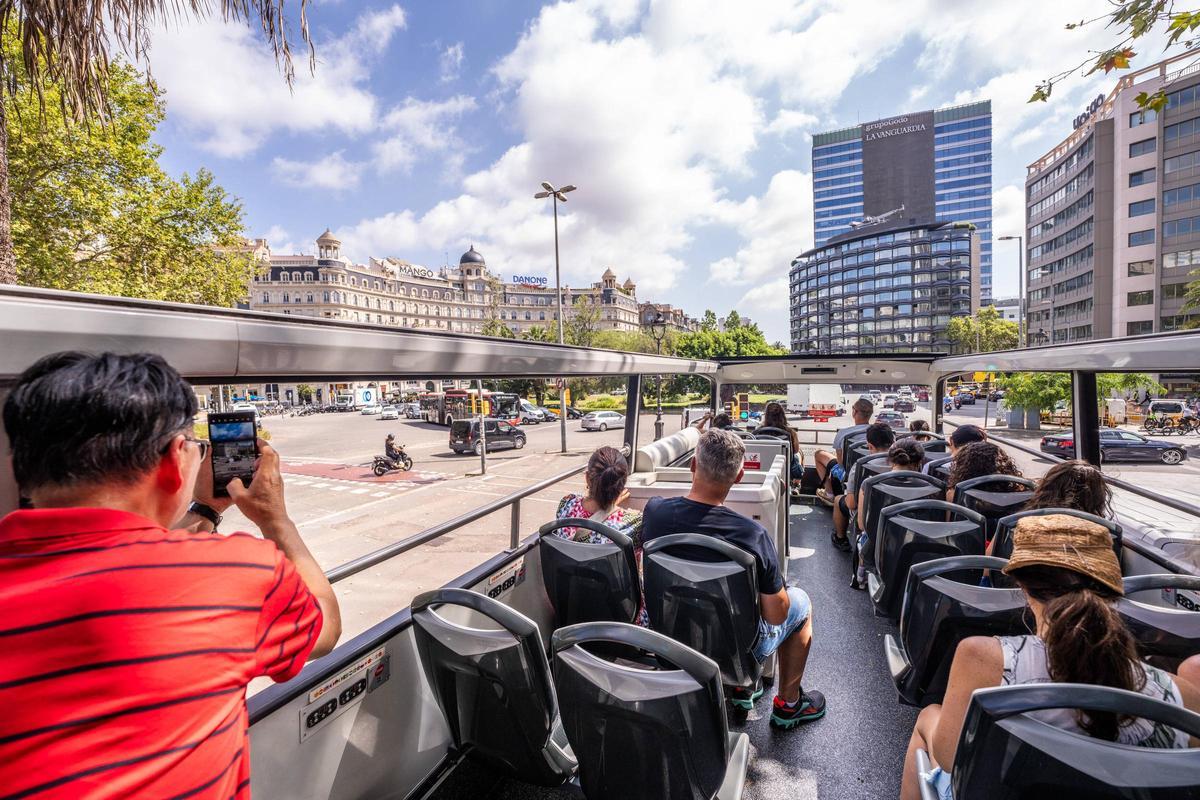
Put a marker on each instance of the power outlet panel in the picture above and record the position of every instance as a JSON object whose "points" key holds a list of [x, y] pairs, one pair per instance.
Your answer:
{"points": [[335, 696]]}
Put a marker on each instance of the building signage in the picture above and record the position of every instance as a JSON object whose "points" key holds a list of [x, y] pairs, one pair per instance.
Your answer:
{"points": [[414, 271], [530, 280], [896, 126], [1091, 109]]}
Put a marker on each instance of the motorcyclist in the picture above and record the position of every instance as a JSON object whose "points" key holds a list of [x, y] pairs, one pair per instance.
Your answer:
{"points": [[391, 451]]}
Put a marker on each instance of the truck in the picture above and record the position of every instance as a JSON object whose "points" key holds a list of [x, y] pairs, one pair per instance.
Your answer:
{"points": [[819, 401]]}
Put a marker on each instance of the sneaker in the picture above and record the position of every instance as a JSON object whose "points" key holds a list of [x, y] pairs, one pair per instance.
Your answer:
{"points": [[825, 497], [745, 698], [811, 707], [840, 542]]}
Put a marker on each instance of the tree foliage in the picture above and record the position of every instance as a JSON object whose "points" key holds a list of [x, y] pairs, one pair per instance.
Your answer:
{"points": [[984, 332], [582, 324], [1130, 20], [93, 211], [1043, 390]]}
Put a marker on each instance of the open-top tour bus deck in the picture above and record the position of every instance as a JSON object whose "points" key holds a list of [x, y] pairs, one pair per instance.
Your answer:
{"points": [[519, 687]]}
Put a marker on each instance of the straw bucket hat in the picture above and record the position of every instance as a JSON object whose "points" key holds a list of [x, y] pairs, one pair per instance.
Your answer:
{"points": [[1059, 540]]}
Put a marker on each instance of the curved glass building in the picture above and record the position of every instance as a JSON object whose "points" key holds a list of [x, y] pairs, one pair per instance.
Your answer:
{"points": [[889, 288]]}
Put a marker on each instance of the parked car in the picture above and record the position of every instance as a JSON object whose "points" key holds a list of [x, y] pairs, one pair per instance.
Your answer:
{"points": [[370, 409], [389, 412], [247, 406], [603, 420], [923, 395], [1118, 445], [530, 414], [965, 398], [500, 434], [548, 414], [411, 410], [904, 403], [574, 413], [893, 418], [996, 395]]}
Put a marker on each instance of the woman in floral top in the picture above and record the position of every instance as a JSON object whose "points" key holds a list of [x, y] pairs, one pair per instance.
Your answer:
{"points": [[605, 480]]}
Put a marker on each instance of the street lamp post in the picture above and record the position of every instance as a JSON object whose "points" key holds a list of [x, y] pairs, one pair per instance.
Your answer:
{"points": [[658, 329], [558, 195], [1022, 334]]}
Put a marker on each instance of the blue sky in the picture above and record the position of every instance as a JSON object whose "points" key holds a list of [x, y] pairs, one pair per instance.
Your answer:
{"points": [[686, 125]]}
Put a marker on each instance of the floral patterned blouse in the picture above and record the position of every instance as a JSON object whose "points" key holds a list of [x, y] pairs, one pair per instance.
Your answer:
{"points": [[623, 520]]}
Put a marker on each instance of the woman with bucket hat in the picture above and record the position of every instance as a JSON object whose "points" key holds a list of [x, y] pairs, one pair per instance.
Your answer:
{"points": [[1071, 579]]}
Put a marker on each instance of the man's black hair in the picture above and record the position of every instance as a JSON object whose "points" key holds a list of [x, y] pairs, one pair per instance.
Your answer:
{"points": [[76, 418], [880, 435], [723, 421], [966, 434]]}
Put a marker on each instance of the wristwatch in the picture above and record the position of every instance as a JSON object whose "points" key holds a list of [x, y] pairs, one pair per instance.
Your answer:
{"points": [[207, 512]]}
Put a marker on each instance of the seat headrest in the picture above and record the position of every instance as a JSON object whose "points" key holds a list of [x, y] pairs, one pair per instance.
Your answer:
{"points": [[666, 450]]}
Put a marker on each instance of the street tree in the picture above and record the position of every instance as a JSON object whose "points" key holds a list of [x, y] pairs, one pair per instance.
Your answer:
{"points": [[581, 328], [61, 55], [92, 210], [1130, 20], [983, 332]]}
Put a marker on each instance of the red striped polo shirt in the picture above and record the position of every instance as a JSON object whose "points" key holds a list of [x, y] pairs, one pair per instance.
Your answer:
{"points": [[125, 650]]}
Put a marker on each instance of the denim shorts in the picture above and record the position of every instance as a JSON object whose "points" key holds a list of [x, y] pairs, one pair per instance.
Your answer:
{"points": [[771, 636], [838, 471]]}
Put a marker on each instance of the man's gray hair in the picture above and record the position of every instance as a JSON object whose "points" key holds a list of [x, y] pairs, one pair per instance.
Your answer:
{"points": [[719, 456]]}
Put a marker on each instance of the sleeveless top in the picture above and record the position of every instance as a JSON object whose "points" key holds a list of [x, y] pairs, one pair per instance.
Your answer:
{"points": [[1025, 661]]}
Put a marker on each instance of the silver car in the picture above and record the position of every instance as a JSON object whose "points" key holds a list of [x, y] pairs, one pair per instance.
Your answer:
{"points": [[603, 420]]}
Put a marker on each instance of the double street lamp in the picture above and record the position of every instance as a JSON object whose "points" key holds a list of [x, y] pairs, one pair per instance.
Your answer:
{"points": [[558, 195], [1022, 334], [658, 330]]}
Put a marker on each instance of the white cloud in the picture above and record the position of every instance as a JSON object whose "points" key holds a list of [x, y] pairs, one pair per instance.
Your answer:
{"points": [[451, 62], [788, 120], [280, 240], [223, 85], [418, 128], [333, 172]]}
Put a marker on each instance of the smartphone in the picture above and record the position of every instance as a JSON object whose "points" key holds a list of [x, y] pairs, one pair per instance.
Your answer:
{"points": [[234, 437]]}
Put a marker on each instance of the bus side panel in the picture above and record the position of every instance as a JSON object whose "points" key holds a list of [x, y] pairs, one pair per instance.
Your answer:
{"points": [[381, 747]]}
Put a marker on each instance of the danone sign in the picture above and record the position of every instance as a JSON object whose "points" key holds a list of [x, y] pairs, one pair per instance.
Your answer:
{"points": [[530, 280], [896, 126]]}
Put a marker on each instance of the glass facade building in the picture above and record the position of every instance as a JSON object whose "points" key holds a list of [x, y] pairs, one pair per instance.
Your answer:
{"points": [[855, 173], [884, 289]]}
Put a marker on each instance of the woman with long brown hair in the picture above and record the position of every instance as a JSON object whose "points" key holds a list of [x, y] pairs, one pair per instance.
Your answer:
{"points": [[1073, 484], [1071, 579], [774, 417], [976, 460]]}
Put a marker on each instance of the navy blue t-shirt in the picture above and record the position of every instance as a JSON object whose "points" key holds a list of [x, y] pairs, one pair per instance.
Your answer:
{"points": [[666, 515]]}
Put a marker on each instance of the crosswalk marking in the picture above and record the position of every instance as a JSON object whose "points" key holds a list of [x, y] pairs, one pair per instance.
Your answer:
{"points": [[359, 491], [340, 488]]}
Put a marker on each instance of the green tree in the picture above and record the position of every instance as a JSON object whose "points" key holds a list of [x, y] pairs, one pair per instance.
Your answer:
{"points": [[93, 211], [1192, 298], [492, 326], [59, 54], [984, 332], [1043, 390], [582, 325], [1130, 20], [733, 320], [539, 334], [305, 392], [709, 321]]}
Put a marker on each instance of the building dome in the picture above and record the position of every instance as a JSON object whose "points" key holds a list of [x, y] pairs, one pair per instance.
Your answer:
{"points": [[472, 256], [629, 284], [328, 238]]}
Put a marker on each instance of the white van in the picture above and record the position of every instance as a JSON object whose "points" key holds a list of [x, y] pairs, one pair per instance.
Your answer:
{"points": [[531, 414], [1166, 408]]}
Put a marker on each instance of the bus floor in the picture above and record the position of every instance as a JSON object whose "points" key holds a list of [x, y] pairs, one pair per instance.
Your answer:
{"points": [[855, 753]]}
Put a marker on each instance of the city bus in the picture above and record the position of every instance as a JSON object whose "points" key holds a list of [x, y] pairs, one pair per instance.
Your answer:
{"points": [[479, 688]]}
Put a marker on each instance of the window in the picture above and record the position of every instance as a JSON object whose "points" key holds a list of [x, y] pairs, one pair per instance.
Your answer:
{"points": [[1141, 207], [1174, 291], [308, 276], [1181, 129], [326, 297], [1184, 194], [1141, 237], [295, 276], [1140, 298], [1142, 148], [283, 276], [1181, 162], [1178, 322], [1182, 97], [1182, 227], [1142, 117], [266, 297], [285, 297], [1136, 268], [1184, 258], [309, 298]]}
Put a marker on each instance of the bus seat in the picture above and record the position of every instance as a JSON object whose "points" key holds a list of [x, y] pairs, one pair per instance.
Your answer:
{"points": [[1005, 753], [650, 733], [703, 592], [938, 466], [976, 495], [493, 686], [850, 449], [890, 488], [666, 451], [917, 531], [934, 445], [588, 582], [944, 604], [868, 465], [1002, 541], [1172, 633]]}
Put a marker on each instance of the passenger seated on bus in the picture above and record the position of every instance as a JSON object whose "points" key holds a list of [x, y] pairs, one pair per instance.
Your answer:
{"points": [[786, 624], [830, 473], [976, 460], [773, 417], [1071, 578], [723, 421], [962, 436], [1073, 484], [905, 454], [604, 480], [919, 429], [880, 437], [133, 627]]}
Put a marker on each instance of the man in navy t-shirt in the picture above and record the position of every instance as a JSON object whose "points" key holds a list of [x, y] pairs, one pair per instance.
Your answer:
{"points": [[786, 623]]}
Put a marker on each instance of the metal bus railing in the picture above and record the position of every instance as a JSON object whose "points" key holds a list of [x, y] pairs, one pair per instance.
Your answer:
{"points": [[375, 557]]}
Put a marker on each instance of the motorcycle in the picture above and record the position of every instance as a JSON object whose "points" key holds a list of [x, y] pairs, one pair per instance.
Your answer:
{"points": [[383, 465]]}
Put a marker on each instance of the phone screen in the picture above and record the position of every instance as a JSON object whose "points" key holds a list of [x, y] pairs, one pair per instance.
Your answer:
{"points": [[234, 440]]}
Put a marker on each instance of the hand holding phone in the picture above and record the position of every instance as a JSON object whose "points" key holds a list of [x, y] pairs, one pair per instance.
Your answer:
{"points": [[234, 437], [262, 499]]}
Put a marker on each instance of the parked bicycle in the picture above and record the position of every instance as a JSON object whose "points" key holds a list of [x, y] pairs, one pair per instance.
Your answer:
{"points": [[1163, 426]]}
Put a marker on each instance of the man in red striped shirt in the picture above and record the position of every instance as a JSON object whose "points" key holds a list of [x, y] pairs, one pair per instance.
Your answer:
{"points": [[130, 628]]}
